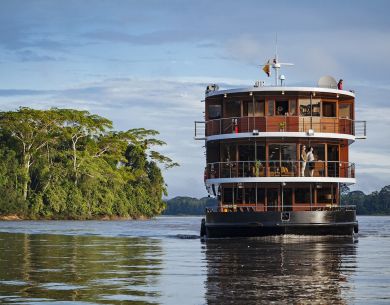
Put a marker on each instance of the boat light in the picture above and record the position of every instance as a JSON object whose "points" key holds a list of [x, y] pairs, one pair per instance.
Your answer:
{"points": [[225, 95]]}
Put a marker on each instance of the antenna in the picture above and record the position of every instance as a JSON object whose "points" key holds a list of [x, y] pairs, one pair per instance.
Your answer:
{"points": [[275, 64]]}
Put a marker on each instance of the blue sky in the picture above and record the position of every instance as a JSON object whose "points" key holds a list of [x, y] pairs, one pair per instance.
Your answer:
{"points": [[146, 64]]}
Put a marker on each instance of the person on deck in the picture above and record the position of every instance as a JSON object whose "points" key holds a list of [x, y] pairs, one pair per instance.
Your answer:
{"points": [[340, 84], [303, 159], [310, 161]]}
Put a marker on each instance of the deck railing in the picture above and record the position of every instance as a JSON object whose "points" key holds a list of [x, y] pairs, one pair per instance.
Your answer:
{"points": [[283, 168], [284, 124], [261, 207]]}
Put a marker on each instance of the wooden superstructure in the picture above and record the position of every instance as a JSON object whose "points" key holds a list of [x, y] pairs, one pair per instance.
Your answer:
{"points": [[254, 140]]}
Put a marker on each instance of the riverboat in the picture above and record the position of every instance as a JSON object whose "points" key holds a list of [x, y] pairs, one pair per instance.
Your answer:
{"points": [[277, 158]]}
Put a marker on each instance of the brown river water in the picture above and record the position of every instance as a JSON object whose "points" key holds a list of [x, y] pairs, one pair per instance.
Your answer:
{"points": [[161, 261]]}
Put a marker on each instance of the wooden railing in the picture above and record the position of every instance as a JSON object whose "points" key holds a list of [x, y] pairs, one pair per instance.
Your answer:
{"points": [[285, 124], [284, 168]]}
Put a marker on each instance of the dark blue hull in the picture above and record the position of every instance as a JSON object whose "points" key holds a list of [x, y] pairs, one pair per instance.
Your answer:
{"points": [[253, 224]]}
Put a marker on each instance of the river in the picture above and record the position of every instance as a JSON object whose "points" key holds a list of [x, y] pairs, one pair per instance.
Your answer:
{"points": [[161, 261]]}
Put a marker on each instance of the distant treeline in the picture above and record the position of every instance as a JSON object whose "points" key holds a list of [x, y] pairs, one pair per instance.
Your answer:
{"points": [[376, 203], [189, 206], [70, 164]]}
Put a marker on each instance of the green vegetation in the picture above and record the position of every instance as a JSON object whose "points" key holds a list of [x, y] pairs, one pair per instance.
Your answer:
{"points": [[70, 164], [376, 203], [189, 206]]}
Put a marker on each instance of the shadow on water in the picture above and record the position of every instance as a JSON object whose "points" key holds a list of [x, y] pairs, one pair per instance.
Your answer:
{"points": [[282, 270], [48, 268]]}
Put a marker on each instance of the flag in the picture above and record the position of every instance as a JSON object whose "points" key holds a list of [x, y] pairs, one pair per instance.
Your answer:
{"points": [[266, 68]]}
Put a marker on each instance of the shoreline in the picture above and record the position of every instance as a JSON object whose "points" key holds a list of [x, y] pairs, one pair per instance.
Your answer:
{"points": [[14, 217]]}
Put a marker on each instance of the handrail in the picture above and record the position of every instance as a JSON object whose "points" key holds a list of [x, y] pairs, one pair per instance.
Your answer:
{"points": [[280, 168], [285, 124], [239, 208]]}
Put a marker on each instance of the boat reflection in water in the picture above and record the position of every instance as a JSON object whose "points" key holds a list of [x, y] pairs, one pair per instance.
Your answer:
{"points": [[281, 270]]}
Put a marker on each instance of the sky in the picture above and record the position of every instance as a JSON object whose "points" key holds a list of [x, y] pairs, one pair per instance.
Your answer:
{"points": [[147, 63]]}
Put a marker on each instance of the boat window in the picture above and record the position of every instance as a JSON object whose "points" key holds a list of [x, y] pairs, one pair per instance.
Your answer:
{"points": [[302, 195], [281, 107], [214, 112], [227, 195], [345, 111], [253, 108], [246, 152], [293, 107], [272, 199], [329, 109], [249, 195], [326, 195], [271, 107], [228, 152], [212, 152], [287, 199], [233, 109], [282, 159], [260, 195], [260, 152], [304, 107]]}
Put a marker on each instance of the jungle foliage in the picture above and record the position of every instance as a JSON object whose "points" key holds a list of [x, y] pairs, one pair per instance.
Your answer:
{"points": [[189, 206], [70, 164], [376, 203]]}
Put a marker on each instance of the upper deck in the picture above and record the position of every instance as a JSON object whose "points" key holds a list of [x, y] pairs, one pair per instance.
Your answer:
{"points": [[294, 111]]}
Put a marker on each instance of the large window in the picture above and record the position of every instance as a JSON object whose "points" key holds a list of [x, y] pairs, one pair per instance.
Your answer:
{"points": [[302, 195], [282, 159], [271, 107], [326, 195], [253, 108], [260, 195], [214, 111], [233, 109], [281, 107], [227, 195], [329, 109], [293, 107], [307, 109], [345, 111]]}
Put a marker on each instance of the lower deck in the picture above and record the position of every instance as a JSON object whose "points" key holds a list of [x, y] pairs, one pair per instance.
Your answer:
{"points": [[263, 197]]}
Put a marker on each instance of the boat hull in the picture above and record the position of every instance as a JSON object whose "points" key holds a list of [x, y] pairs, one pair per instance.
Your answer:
{"points": [[252, 224]]}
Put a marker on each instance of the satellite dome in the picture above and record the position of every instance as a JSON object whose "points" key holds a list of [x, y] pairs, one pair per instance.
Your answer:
{"points": [[327, 82]]}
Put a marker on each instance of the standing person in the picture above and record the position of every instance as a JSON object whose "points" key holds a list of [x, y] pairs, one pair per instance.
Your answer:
{"points": [[303, 159], [310, 161], [340, 84]]}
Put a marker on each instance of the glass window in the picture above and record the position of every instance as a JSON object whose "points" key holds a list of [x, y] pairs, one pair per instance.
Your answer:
{"points": [[246, 152], [329, 109], [260, 195], [213, 152], [214, 111], [302, 195], [255, 108], [250, 195], [304, 107], [227, 195], [228, 152], [281, 107], [260, 152], [282, 159], [233, 109], [345, 111], [272, 199], [326, 195], [271, 107], [293, 107]]}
